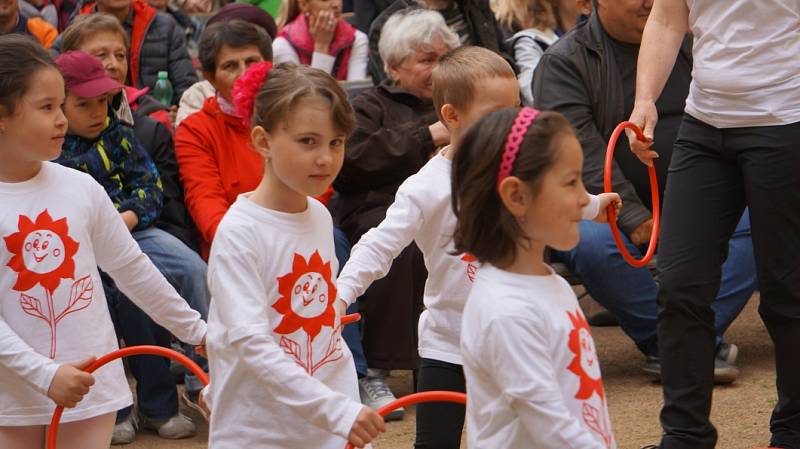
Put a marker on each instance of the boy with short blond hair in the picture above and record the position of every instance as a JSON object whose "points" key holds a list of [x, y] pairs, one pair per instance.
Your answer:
{"points": [[468, 83]]}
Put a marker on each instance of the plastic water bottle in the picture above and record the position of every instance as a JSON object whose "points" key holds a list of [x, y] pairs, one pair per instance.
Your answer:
{"points": [[163, 89]]}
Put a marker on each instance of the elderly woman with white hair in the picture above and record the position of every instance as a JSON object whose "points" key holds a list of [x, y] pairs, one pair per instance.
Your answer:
{"points": [[397, 132]]}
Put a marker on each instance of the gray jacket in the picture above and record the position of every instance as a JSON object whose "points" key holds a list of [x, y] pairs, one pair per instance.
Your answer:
{"points": [[578, 77]]}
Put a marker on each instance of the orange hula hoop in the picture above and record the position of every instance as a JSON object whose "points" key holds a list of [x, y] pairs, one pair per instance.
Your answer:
{"points": [[416, 398], [612, 214], [125, 352]]}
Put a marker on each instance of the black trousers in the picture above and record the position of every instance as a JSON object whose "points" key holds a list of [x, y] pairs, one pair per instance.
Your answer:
{"points": [[713, 175], [439, 424]]}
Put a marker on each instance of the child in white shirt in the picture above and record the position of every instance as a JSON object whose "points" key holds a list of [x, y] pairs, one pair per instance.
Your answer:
{"points": [[282, 376], [57, 226], [468, 83], [533, 378]]}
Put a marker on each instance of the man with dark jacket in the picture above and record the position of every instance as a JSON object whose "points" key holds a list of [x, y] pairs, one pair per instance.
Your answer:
{"points": [[156, 44], [589, 75], [472, 20]]}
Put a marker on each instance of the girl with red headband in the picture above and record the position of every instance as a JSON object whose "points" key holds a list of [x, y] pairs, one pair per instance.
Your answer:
{"points": [[532, 372], [283, 377]]}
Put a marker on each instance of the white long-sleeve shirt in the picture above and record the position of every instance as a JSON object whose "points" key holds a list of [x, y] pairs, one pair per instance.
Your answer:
{"points": [[282, 376], [533, 377], [422, 213], [57, 228], [282, 51]]}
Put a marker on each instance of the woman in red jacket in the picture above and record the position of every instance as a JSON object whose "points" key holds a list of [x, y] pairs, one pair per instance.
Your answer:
{"points": [[212, 146]]}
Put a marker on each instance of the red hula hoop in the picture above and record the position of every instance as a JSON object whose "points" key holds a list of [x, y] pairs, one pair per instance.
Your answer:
{"points": [[416, 398], [612, 215], [125, 352], [350, 319]]}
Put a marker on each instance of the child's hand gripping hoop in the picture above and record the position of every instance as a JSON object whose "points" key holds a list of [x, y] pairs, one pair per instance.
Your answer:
{"points": [[125, 352], [612, 215], [416, 398]]}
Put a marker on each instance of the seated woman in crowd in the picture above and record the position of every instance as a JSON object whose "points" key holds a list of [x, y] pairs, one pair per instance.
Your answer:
{"points": [[212, 146], [156, 43], [312, 32], [192, 100], [397, 131]]}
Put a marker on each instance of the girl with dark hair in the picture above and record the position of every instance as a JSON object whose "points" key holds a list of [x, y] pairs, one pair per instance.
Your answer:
{"points": [[58, 226], [282, 375], [529, 359]]}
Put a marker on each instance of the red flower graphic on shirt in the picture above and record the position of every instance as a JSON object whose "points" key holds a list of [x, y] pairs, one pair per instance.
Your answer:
{"points": [[585, 364], [307, 297], [42, 252], [43, 255]]}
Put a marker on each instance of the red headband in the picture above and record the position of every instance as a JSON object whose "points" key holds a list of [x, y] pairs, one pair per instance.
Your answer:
{"points": [[524, 118], [246, 87]]}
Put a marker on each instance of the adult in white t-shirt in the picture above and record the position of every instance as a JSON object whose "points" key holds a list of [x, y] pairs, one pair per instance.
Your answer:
{"points": [[739, 145]]}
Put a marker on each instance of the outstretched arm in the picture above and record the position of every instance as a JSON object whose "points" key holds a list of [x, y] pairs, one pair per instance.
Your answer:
{"points": [[663, 35]]}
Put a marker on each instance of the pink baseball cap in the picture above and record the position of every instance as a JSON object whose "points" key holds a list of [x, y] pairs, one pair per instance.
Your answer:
{"points": [[84, 75]]}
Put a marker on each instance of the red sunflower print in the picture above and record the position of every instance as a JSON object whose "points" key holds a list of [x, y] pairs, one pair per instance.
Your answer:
{"points": [[42, 255], [307, 299], [586, 366]]}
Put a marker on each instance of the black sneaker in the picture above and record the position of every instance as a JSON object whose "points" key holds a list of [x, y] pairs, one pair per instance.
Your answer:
{"points": [[724, 372]]}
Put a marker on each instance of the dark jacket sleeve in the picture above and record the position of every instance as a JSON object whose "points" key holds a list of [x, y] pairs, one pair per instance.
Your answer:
{"points": [[557, 86], [174, 218], [181, 70], [380, 153], [142, 190]]}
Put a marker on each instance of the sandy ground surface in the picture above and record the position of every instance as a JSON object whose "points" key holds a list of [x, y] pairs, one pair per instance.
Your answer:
{"points": [[740, 411]]}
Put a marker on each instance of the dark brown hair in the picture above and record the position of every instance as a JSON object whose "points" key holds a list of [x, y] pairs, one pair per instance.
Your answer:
{"points": [[87, 24], [485, 228], [20, 58], [287, 83], [457, 73], [235, 34]]}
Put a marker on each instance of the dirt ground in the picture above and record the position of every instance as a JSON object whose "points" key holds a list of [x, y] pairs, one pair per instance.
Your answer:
{"points": [[740, 411]]}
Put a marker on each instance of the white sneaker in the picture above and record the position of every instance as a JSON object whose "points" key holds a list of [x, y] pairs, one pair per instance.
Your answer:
{"points": [[175, 428], [125, 432], [376, 394]]}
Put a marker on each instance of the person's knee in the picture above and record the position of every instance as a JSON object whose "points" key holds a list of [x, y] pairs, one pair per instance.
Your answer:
{"points": [[688, 291]]}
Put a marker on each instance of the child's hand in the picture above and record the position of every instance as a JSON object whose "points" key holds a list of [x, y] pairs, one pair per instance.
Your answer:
{"points": [[205, 410], [342, 304], [367, 426], [71, 383], [201, 349], [607, 199]]}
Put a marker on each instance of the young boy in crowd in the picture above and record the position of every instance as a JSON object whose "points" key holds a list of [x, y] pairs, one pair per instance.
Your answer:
{"points": [[104, 147]]}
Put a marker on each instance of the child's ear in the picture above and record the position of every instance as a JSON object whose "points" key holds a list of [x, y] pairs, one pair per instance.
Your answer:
{"points": [[260, 139], [515, 195], [450, 116]]}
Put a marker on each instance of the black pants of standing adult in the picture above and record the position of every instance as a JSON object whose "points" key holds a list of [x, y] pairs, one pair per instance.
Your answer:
{"points": [[713, 175]]}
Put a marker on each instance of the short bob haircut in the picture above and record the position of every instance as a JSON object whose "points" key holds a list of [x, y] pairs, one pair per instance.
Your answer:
{"points": [[86, 25], [458, 72], [485, 228], [287, 84], [410, 30], [235, 34]]}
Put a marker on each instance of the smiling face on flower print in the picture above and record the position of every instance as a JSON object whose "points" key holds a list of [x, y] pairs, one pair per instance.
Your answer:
{"points": [[43, 251], [310, 295]]}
